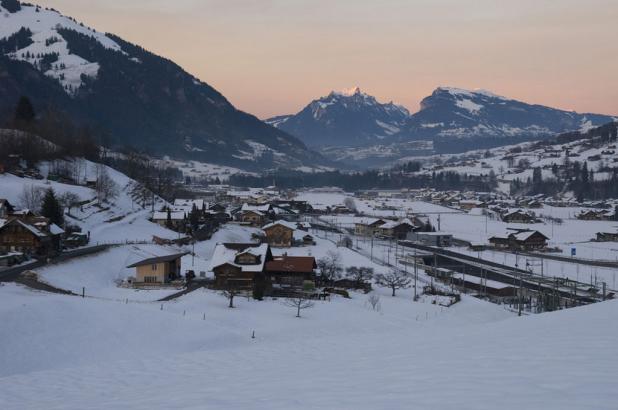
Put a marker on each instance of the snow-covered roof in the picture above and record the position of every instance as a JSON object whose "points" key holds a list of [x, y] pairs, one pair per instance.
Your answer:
{"points": [[55, 229], [369, 221], [188, 203], [524, 235], [226, 255], [174, 216], [287, 224], [259, 208]]}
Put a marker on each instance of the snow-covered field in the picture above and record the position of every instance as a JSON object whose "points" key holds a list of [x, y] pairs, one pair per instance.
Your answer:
{"points": [[70, 353]]}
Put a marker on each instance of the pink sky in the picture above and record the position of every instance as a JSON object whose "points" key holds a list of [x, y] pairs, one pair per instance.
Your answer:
{"points": [[271, 57]]}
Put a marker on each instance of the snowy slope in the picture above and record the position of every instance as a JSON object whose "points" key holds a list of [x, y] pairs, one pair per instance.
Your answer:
{"points": [[471, 356], [122, 219], [45, 24], [455, 113], [102, 80]]}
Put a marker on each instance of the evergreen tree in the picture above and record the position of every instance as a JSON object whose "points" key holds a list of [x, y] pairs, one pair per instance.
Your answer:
{"points": [[24, 111], [51, 208], [194, 217]]}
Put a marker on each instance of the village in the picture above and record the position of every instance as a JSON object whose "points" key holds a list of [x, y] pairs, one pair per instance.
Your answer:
{"points": [[278, 243]]}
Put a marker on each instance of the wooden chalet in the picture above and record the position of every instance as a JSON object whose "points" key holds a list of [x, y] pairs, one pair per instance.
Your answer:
{"points": [[280, 234], [235, 265], [290, 274], [35, 237], [368, 227], [524, 240], [519, 216]]}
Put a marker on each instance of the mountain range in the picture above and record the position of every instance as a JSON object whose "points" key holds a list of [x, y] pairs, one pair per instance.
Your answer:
{"points": [[354, 127], [136, 97]]}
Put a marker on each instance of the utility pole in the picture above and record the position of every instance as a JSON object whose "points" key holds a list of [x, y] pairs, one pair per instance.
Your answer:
{"points": [[415, 273], [520, 295]]}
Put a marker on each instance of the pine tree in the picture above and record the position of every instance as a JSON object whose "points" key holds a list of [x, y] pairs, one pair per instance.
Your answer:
{"points": [[51, 208], [24, 112]]}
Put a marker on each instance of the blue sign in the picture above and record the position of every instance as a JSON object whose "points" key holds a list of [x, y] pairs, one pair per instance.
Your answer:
{"points": [[573, 251]]}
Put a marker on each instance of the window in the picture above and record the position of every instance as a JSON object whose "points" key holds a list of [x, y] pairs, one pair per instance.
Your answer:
{"points": [[154, 266], [150, 279]]}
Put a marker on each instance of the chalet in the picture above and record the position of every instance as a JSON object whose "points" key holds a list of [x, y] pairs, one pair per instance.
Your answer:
{"points": [[523, 240], [186, 205], [340, 209], [280, 234], [368, 227], [519, 216], [236, 265], [593, 215], [607, 237], [158, 270], [39, 239], [471, 203], [395, 229], [251, 217], [290, 273], [308, 240], [171, 219]]}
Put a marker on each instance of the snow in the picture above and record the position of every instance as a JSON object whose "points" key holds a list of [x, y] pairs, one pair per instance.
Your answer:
{"points": [[471, 93], [44, 24], [469, 356], [469, 105]]}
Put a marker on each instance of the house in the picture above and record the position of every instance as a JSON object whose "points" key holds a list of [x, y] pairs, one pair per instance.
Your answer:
{"points": [[253, 218], [471, 203], [171, 219], [280, 234], [395, 229], [236, 265], [593, 215], [523, 240], [303, 226], [367, 227], [158, 270], [290, 274], [607, 237], [519, 216], [36, 237], [308, 240]]}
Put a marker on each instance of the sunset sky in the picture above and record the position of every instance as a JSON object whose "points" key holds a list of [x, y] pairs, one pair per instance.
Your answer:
{"points": [[271, 57]]}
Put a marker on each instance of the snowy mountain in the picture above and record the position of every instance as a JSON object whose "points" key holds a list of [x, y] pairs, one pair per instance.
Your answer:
{"points": [[450, 120], [140, 99], [344, 118], [455, 114]]}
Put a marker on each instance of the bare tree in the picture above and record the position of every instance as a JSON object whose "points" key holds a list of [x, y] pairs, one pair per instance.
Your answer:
{"points": [[330, 266], [299, 302], [350, 204], [106, 188], [394, 280], [69, 200], [359, 275], [230, 293], [31, 197], [374, 301]]}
